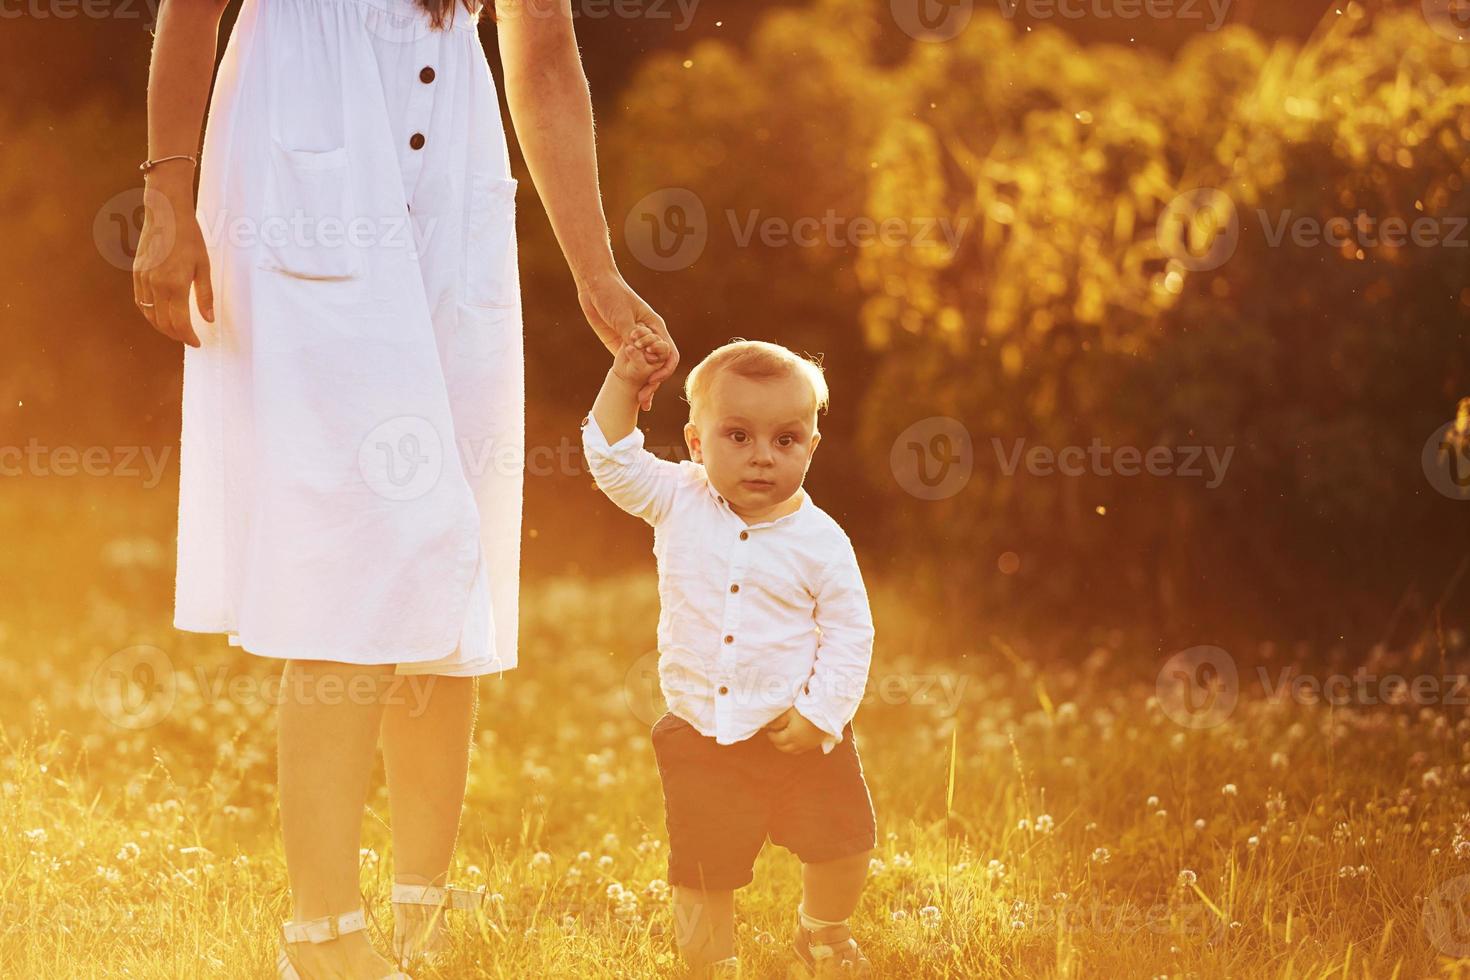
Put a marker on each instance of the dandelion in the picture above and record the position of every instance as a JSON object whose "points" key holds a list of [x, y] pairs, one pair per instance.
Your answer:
{"points": [[1187, 878], [898, 915], [1199, 823], [657, 889], [929, 916], [1431, 778], [1152, 803], [1228, 789], [615, 892], [1278, 760], [1044, 823], [1252, 841], [128, 851], [584, 856], [604, 863], [995, 871], [1101, 855], [876, 866], [540, 860], [903, 860], [36, 836]]}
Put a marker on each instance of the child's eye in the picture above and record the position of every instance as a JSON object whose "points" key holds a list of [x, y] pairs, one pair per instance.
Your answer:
{"points": [[738, 436], [787, 440]]}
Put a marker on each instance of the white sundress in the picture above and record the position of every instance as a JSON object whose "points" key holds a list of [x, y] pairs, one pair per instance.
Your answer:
{"points": [[353, 422]]}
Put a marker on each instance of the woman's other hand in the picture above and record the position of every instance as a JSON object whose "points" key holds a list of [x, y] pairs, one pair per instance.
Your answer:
{"points": [[171, 257]]}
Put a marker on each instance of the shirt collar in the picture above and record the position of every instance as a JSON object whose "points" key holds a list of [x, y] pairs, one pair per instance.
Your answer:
{"points": [[800, 511]]}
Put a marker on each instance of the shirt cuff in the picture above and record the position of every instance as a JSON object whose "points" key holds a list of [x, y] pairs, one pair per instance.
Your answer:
{"points": [[621, 451]]}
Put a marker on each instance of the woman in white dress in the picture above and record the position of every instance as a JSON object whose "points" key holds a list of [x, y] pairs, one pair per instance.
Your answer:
{"points": [[353, 410]]}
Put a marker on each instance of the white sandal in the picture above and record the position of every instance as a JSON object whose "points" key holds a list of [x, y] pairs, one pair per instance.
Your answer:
{"points": [[430, 941], [322, 930]]}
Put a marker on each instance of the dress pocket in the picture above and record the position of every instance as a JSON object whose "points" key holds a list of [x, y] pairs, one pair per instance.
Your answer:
{"points": [[491, 273], [306, 228]]}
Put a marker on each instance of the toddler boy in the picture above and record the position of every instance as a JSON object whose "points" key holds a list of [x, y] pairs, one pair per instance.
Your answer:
{"points": [[764, 636]]}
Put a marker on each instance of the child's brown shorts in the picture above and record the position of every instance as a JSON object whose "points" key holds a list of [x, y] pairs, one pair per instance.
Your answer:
{"points": [[721, 802]]}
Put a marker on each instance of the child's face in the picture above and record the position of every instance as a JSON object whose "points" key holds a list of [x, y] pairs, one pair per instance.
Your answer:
{"points": [[755, 437]]}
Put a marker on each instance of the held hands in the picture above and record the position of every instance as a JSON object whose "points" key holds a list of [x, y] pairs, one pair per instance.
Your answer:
{"points": [[642, 354], [614, 311], [793, 734]]}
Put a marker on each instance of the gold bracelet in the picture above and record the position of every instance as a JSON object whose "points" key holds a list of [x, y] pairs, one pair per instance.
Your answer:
{"points": [[148, 165]]}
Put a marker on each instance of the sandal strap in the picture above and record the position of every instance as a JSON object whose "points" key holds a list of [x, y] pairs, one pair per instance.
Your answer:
{"points": [[324, 929], [463, 899], [822, 951]]}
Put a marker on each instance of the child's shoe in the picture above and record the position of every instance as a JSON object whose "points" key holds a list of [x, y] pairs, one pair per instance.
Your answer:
{"points": [[413, 934], [839, 958]]}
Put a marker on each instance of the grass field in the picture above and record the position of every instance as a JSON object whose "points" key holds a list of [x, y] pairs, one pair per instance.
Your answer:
{"points": [[1034, 821]]}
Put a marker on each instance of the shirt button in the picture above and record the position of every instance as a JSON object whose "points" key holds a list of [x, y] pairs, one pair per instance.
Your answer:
{"points": [[724, 690], [744, 535], [734, 588], [416, 141], [427, 75], [729, 638], [585, 420]]}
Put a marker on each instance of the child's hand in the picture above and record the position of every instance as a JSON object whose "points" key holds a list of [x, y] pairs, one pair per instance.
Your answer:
{"points": [[643, 352], [793, 734]]}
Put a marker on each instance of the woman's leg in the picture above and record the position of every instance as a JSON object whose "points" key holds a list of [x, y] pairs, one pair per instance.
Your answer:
{"points": [[428, 728], [329, 718]]}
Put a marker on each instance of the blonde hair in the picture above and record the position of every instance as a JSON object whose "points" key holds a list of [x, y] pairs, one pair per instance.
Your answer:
{"points": [[754, 359]]}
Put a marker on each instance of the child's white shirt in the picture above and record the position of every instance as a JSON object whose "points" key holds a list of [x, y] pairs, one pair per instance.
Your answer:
{"points": [[753, 619]]}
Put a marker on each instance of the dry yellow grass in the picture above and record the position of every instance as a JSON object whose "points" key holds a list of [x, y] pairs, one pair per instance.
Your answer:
{"points": [[1034, 822]]}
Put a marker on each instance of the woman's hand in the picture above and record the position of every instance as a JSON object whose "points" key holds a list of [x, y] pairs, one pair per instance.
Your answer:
{"points": [[171, 257], [614, 311]]}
